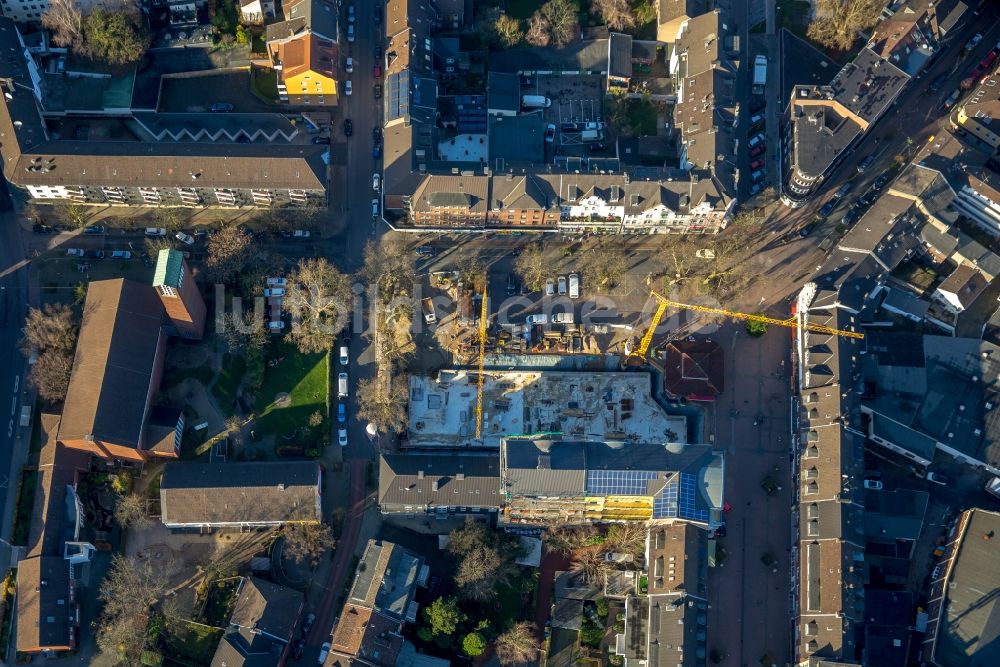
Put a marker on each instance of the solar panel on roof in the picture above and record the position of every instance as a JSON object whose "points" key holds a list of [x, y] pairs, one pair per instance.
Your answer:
{"points": [[688, 499], [619, 482], [665, 503]]}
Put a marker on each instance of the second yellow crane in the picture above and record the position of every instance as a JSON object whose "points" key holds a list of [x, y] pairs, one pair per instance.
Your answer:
{"points": [[663, 303]]}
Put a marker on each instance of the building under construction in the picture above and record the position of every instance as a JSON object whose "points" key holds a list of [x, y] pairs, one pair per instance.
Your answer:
{"points": [[565, 482], [593, 407]]}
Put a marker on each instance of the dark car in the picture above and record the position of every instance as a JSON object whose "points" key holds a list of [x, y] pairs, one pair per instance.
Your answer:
{"points": [[341, 413], [96, 254], [377, 151], [807, 230], [221, 107], [880, 182], [378, 91], [756, 104], [377, 134], [378, 52], [321, 140], [828, 207], [42, 229], [93, 229], [300, 648], [937, 83], [378, 14], [757, 150], [147, 261], [348, 127], [307, 624], [757, 164], [851, 216], [570, 127], [511, 284]]}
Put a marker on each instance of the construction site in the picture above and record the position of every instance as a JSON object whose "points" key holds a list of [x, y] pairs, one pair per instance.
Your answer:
{"points": [[583, 406]]}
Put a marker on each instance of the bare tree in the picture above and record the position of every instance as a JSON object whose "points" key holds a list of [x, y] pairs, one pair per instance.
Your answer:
{"points": [[518, 645], [617, 14], [539, 33], [129, 589], [51, 328], [388, 265], [65, 20], [319, 299], [157, 243], [562, 16], [605, 264], [837, 23], [591, 565], [242, 332], [382, 402], [50, 374], [627, 538], [130, 512], [567, 539], [74, 215], [229, 251], [486, 559], [532, 266], [509, 30], [306, 543], [172, 219]]}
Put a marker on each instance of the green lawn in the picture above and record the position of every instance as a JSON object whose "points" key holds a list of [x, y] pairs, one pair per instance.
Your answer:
{"points": [[228, 381], [194, 644], [304, 378], [265, 84]]}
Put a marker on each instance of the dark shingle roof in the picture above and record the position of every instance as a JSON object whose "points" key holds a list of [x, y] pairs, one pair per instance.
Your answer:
{"points": [[220, 493], [471, 480], [43, 604], [267, 607], [116, 360]]}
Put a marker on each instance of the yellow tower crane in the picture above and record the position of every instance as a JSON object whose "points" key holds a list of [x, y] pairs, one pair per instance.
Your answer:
{"points": [[483, 319], [663, 303]]}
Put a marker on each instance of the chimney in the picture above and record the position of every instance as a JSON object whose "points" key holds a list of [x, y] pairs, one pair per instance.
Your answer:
{"points": [[420, 474], [434, 485], [460, 476]]}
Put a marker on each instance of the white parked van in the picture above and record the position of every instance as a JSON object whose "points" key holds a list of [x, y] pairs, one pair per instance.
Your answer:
{"points": [[535, 102], [344, 356], [342, 385]]}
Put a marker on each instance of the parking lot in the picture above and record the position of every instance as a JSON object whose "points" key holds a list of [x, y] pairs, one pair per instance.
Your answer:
{"points": [[575, 99]]}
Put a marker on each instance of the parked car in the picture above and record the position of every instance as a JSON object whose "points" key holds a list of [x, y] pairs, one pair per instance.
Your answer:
{"points": [[221, 107], [378, 91], [755, 140], [97, 254], [880, 182], [274, 292], [757, 175], [374, 208], [937, 83], [321, 140], [348, 127], [570, 127], [307, 624], [511, 284], [376, 151], [873, 484], [938, 478], [345, 356], [425, 251], [277, 282], [993, 487], [341, 413], [562, 285], [342, 437], [350, 32], [593, 125], [842, 190], [757, 164], [755, 188], [851, 216], [562, 318], [550, 287], [377, 71], [377, 134], [121, 254], [342, 390], [864, 164], [537, 318], [301, 234], [550, 133], [757, 103], [324, 650], [155, 232], [348, 88], [349, 65], [350, 13], [828, 207], [757, 150], [378, 14], [93, 229], [42, 229], [186, 239], [807, 230], [75, 252], [574, 285], [376, 181], [300, 647]]}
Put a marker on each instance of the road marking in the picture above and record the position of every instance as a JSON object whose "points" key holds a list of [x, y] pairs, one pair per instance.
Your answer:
{"points": [[10, 428], [13, 404], [17, 383], [3, 484]]}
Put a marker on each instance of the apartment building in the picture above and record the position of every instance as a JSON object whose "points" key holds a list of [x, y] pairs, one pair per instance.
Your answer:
{"points": [[829, 553], [672, 14], [413, 484], [52, 169], [261, 626], [589, 482], [305, 53], [179, 295], [977, 115], [826, 120]]}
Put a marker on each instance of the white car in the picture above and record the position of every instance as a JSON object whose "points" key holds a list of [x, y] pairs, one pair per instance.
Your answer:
{"points": [[562, 318], [574, 286], [324, 651], [75, 252], [350, 66], [275, 325], [121, 254], [301, 233], [184, 238], [594, 125], [347, 87], [538, 318], [342, 437], [155, 232], [344, 355], [550, 287], [376, 181], [993, 487], [562, 285], [873, 484], [274, 291], [276, 282]]}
